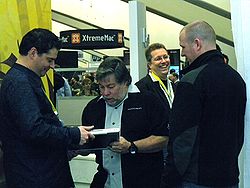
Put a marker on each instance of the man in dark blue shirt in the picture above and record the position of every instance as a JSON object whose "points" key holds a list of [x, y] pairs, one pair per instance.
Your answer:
{"points": [[34, 141]]}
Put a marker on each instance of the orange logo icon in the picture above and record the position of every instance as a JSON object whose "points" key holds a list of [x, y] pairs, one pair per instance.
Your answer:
{"points": [[75, 38], [120, 38]]}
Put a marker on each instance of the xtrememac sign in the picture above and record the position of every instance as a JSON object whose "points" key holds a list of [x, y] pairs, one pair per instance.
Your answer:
{"points": [[92, 39]]}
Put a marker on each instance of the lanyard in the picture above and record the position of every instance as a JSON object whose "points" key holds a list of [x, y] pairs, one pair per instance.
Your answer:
{"points": [[52, 105], [169, 95]]}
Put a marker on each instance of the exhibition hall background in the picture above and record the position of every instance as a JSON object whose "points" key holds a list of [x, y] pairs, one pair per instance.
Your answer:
{"points": [[19, 16]]}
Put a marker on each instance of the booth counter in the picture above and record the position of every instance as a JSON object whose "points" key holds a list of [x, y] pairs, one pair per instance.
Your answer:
{"points": [[70, 110]]}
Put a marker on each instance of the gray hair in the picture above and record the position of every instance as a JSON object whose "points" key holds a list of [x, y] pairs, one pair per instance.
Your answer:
{"points": [[114, 65]]}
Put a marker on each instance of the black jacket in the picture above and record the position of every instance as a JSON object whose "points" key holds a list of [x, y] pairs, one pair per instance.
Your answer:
{"points": [[141, 117], [206, 124]]}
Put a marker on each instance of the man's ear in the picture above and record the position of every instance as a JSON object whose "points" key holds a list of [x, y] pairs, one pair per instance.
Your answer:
{"points": [[148, 65], [198, 44], [32, 53]]}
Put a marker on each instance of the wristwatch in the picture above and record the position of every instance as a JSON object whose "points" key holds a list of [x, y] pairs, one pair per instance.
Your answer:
{"points": [[132, 148]]}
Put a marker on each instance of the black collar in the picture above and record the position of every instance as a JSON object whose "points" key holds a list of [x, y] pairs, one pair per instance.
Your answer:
{"points": [[202, 60]]}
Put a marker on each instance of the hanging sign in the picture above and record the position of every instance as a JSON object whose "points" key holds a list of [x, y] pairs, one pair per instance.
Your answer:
{"points": [[89, 39]]}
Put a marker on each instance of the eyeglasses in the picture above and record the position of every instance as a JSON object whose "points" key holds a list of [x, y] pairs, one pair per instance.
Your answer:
{"points": [[159, 58]]}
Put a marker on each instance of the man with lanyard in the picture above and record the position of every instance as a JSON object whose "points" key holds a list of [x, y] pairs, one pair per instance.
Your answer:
{"points": [[34, 141], [156, 81], [136, 160]]}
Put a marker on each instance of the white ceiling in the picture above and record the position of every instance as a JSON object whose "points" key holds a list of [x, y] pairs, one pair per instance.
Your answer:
{"points": [[164, 18], [115, 13]]}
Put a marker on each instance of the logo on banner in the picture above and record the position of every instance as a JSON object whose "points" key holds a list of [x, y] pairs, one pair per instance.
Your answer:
{"points": [[120, 38], [75, 38]]}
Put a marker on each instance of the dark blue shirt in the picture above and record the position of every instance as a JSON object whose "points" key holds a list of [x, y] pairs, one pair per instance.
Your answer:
{"points": [[34, 141]]}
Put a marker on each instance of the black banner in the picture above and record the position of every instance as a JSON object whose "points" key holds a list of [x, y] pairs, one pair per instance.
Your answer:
{"points": [[88, 39]]}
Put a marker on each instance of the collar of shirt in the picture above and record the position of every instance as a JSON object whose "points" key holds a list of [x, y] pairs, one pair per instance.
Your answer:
{"points": [[153, 78], [33, 77], [133, 89]]}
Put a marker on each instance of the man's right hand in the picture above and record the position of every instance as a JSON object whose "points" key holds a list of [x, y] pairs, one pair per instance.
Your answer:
{"points": [[85, 134]]}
